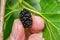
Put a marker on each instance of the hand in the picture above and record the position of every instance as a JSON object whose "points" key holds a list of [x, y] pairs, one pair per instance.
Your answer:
{"points": [[18, 31]]}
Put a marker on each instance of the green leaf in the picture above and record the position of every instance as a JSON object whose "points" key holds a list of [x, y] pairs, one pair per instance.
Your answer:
{"points": [[49, 10]]}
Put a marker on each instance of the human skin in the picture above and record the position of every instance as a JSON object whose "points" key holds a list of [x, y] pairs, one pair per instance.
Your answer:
{"points": [[18, 31]]}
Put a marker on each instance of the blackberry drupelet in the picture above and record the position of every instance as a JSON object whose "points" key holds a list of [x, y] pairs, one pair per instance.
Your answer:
{"points": [[26, 18]]}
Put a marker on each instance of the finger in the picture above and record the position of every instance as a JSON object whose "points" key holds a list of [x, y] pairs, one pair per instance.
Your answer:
{"points": [[17, 31], [35, 37], [38, 24]]}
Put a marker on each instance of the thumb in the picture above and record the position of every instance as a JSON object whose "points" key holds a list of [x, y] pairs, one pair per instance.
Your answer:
{"points": [[17, 31]]}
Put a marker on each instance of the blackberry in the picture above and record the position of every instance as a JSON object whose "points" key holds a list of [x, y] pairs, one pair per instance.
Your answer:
{"points": [[26, 18]]}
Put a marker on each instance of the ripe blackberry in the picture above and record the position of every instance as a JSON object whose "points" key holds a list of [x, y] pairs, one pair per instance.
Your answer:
{"points": [[26, 18]]}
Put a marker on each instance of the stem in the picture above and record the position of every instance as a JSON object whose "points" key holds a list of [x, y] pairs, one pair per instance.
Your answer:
{"points": [[11, 12]]}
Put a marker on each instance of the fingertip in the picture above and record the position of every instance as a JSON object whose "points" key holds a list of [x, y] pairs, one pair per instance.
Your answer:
{"points": [[37, 25]]}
